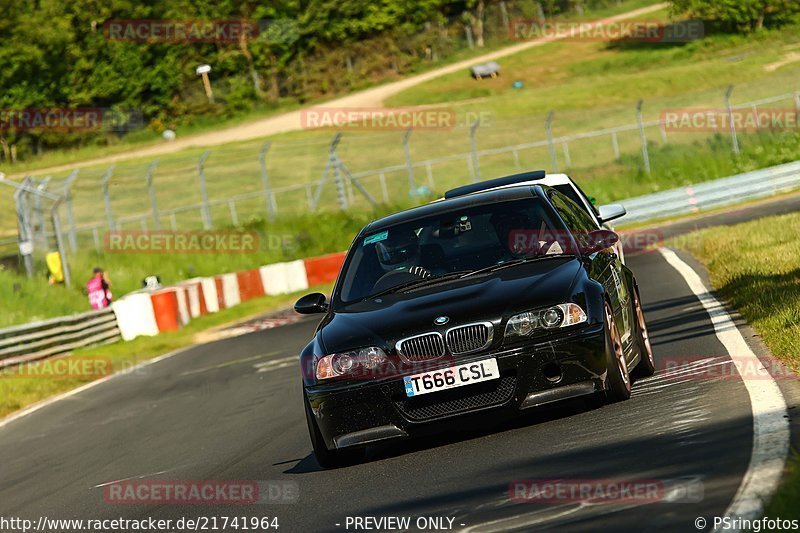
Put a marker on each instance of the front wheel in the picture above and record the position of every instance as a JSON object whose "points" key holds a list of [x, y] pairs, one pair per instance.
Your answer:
{"points": [[618, 381], [325, 457]]}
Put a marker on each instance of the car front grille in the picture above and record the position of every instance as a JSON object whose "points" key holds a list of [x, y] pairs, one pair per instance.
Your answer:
{"points": [[458, 400], [469, 338], [419, 348]]}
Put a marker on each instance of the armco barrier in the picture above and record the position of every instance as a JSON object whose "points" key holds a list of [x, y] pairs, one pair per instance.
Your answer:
{"points": [[711, 194], [38, 340]]}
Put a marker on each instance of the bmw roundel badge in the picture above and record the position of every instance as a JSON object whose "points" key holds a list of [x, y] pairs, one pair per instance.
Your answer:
{"points": [[441, 320]]}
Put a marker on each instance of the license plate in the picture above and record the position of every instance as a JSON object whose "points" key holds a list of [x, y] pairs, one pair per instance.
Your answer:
{"points": [[452, 377]]}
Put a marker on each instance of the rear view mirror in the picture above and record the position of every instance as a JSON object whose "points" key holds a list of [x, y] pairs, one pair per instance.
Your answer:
{"points": [[611, 211], [599, 239], [311, 304]]}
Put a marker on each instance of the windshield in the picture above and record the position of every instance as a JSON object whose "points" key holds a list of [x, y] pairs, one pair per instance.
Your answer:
{"points": [[460, 241]]}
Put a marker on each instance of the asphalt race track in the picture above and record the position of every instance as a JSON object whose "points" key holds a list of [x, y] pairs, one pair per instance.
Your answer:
{"points": [[231, 410]]}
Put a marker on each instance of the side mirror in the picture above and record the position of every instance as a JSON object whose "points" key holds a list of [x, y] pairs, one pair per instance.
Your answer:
{"points": [[311, 304], [599, 239], [611, 211]]}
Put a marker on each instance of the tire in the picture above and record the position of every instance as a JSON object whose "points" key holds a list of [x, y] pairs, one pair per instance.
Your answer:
{"points": [[618, 380], [325, 457], [647, 363]]}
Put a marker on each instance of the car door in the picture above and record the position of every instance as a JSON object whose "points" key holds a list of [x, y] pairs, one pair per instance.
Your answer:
{"points": [[605, 266]]}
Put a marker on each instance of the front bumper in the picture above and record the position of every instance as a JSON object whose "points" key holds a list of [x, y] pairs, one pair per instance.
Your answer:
{"points": [[543, 371]]}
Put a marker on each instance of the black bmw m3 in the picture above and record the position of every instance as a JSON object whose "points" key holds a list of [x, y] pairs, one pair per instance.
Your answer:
{"points": [[504, 295]]}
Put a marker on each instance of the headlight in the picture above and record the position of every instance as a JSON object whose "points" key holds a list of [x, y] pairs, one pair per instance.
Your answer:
{"points": [[366, 362], [558, 316]]}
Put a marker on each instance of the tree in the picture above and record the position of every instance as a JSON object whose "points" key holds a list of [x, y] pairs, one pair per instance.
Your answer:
{"points": [[738, 15]]}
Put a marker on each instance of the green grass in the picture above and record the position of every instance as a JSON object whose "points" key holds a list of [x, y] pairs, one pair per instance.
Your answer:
{"points": [[17, 392], [755, 267]]}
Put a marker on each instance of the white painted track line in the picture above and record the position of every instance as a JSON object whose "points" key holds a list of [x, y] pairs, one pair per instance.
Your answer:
{"points": [[770, 421]]}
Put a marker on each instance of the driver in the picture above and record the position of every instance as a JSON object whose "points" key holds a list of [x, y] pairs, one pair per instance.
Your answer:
{"points": [[399, 252]]}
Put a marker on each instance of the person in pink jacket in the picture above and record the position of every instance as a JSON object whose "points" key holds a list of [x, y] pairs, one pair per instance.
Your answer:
{"points": [[99, 289]]}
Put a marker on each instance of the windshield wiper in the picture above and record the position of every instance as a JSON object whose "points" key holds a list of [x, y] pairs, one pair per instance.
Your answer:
{"points": [[512, 262], [415, 283]]}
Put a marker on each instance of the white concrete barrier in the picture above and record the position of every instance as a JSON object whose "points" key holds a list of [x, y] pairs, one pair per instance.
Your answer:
{"points": [[183, 305], [281, 278], [296, 278], [192, 287], [135, 315], [210, 294], [230, 290]]}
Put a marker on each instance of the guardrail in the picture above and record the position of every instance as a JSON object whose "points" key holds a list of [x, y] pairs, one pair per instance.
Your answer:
{"points": [[37, 340], [724, 191]]}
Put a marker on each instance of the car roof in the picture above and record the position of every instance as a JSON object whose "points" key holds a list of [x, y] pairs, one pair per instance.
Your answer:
{"points": [[500, 194]]}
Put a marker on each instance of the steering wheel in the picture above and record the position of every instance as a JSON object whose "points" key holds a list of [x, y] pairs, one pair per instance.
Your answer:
{"points": [[398, 277]]}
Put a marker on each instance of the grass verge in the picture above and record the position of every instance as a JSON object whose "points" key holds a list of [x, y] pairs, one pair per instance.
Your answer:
{"points": [[19, 391], [755, 267]]}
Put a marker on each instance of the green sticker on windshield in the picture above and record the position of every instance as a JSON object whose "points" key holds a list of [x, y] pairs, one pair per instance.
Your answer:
{"points": [[382, 236]]}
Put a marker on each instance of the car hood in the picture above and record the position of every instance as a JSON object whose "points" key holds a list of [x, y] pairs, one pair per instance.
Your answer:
{"points": [[491, 297]]}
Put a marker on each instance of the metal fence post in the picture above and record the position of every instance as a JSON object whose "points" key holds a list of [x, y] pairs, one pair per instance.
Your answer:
{"points": [[548, 129], [615, 144], [73, 238], [25, 240], [412, 187], [151, 190], [269, 196], [234, 215], [642, 136], [341, 193], [734, 138], [41, 185], [476, 169], [60, 241], [314, 202], [203, 192], [107, 197]]}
